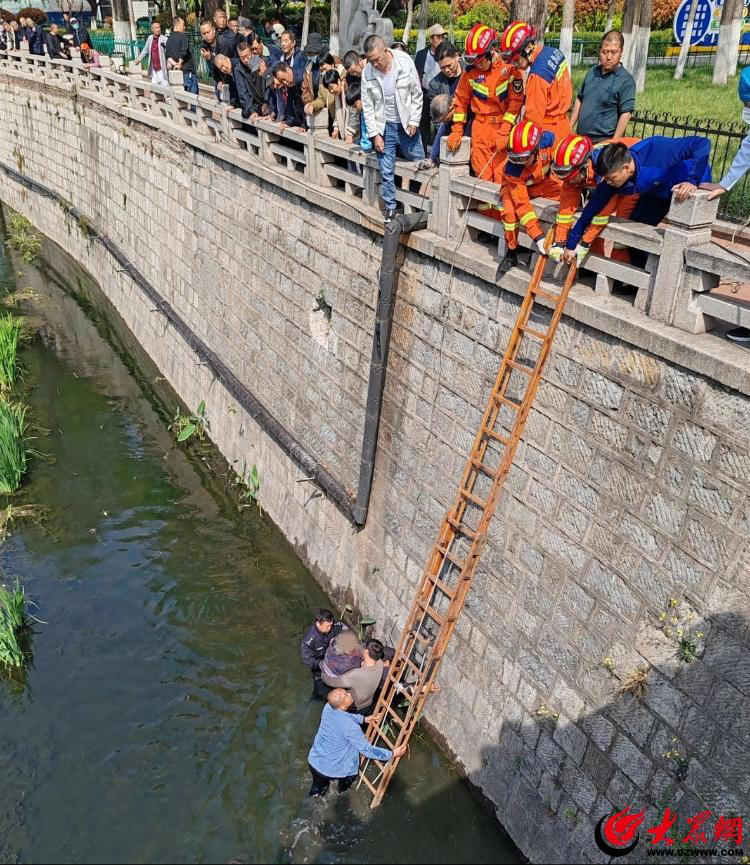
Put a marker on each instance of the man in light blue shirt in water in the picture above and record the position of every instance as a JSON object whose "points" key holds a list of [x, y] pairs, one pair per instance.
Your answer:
{"points": [[339, 742]]}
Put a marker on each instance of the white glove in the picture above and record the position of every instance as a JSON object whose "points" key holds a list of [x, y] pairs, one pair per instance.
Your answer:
{"points": [[582, 250], [541, 246], [556, 252]]}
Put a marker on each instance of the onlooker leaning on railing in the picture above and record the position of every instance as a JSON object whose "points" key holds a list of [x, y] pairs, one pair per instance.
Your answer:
{"points": [[56, 50], [252, 91], [291, 92], [607, 96]]}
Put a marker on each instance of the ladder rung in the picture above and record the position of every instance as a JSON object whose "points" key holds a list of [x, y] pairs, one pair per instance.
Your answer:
{"points": [[495, 435], [454, 560], [537, 334], [460, 527], [478, 464], [432, 612], [473, 499], [516, 406], [529, 370], [396, 716], [540, 292], [363, 777], [415, 633]]}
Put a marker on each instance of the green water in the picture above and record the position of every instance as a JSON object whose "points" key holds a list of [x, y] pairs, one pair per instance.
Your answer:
{"points": [[165, 717]]}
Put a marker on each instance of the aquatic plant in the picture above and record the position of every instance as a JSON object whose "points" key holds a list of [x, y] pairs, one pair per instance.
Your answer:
{"points": [[10, 330], [186, 426], [13, 620], [12, 446], [252, 489], [23, 237]]}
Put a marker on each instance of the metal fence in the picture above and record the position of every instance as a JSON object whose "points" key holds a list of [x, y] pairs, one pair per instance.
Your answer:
{"points": [[725, 142], [129, 49], [660, 53]]}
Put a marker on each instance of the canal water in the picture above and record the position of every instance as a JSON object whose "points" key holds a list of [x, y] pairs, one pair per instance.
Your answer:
{"points": [[165, 714]]}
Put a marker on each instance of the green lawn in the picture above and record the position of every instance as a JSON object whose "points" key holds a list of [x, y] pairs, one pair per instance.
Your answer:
{"points": [[693, 96]]}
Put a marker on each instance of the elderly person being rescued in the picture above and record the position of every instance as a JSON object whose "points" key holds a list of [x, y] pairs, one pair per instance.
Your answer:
{"points": [[339, 742]]}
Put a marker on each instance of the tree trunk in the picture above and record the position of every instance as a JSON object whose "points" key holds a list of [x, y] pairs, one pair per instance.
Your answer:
{"points": [[610, 14], [566, 30], [334, 45], [305, 23], [209, 7], [131, 15], [726, 49], [121, 20], [421, 33], [173, 8], [630, 15], [533, 11], [686, 40], [641, 39], [409, 21]]}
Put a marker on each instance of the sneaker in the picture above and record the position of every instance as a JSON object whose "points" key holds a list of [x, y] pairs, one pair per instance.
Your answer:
{"points": [[510, 260], [389, 215], [739, 334]]}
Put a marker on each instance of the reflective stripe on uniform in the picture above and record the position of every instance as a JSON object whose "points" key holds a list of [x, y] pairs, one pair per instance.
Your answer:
{"points": [[561, 69], [458, 117], [501, 88], [480, 89], [484, 206], [564, 219], [527, 217], [600, 220], [510, 226], [508, 117]]}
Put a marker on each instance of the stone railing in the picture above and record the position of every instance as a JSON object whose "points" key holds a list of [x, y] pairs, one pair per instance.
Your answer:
{"points": [[682, 262]]}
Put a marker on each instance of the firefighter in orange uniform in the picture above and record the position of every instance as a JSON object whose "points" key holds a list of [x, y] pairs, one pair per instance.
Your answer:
{"points": [[549, 90], [526, 176], [574, 163], [493, 90]]}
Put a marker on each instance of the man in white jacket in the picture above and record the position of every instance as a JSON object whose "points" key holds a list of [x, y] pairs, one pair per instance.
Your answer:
{"points": [[392, 107], [157, 58]]}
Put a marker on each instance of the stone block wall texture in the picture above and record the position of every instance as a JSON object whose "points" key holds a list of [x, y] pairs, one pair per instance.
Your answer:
{"points": [[619, 556]]}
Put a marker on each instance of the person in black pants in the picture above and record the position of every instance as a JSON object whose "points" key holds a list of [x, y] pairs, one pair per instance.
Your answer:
{"points": [[314, 645]]}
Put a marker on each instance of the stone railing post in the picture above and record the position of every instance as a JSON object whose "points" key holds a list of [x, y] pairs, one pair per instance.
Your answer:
{"points": [[445, 217], [674, 283], [317, 128]]}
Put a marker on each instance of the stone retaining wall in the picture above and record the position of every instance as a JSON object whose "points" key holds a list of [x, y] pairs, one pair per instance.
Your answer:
{"points": [[627, 507]]}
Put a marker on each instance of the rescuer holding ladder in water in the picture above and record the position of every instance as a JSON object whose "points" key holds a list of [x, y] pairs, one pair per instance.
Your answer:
{"points": [[573, 163], [493, 91]]}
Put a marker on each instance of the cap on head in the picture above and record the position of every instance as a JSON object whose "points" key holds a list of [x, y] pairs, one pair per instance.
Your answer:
{"points": [[523, 141], [436, 30], [479, 41], [277, 28], [314, 45], [570, 154], [515, 38]]}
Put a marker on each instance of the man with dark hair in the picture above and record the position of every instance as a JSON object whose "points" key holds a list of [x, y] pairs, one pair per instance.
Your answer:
{"points": [[607, 96], [425, 61], [364, 681], [293, 114], [314, 645], [354, 63], [653, 169], [338, 743], [252, 91], [226, 39], [233, 25], [180, 55], [451, 68]]}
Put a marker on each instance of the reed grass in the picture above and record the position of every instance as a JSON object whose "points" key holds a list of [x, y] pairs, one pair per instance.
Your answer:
{"points": [[12, 446], [13, 620], [23, 237], [10, 332]]}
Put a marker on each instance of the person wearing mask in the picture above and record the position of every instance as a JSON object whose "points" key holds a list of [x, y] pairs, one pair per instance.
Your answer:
{"points": [[293, 115], [79, 32], [392, 105], [526, 175], [273, 32], [314, 646], [607, 96], [179, 55], [226, 39], [338, 744], [313, 52], [54, 44], [451, 68], [654, 169], [427, 68], [155, 50], [549, 90], [252, 91]]}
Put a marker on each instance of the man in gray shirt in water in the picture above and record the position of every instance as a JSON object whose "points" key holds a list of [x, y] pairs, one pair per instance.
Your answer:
{"points": [[362, 681]]}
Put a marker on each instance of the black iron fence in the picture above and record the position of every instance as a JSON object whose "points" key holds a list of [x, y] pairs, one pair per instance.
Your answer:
{"points": [[725, 142], [660, 53]]}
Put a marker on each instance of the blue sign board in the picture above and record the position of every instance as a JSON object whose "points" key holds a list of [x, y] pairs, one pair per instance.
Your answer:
{"points": [[706, 22]]}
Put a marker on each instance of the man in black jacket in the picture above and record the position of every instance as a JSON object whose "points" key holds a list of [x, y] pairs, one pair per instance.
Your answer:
{"points": [[35, 36], [251, 88], [294, 109], [80, 33], [180, 55], [54, 45], [314, 645], [226, 39], [447, 79], [427, 69]]}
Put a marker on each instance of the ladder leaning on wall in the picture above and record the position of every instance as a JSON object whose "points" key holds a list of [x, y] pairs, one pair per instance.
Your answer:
{"points": [[445, 583]]}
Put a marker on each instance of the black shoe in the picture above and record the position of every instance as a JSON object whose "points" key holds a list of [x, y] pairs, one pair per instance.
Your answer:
{"points": [[510, 260], [390, 213], [739, 334]]}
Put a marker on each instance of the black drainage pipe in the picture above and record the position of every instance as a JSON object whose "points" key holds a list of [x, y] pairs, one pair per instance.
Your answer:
{"points": [[333, 488], [381, 338]]}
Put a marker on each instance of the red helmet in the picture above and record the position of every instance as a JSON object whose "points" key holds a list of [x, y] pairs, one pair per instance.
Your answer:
{"points": [[523, 141], [479, 41], [571, 154], [515, 38]]}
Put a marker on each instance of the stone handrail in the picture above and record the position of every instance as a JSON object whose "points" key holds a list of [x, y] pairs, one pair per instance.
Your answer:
{"points": [[669, 288]]}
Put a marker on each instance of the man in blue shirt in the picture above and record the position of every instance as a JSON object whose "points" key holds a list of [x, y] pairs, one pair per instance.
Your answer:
{"points": [[339, 742], [653, 169]]}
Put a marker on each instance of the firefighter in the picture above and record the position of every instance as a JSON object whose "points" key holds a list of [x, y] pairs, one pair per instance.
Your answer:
{"points": [[652, 169], [549, 90], [573, 162], [493, 91], [526, 176]]}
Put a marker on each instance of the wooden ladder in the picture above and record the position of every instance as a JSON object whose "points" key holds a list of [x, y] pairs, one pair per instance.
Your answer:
{"points": [[443, 588]]}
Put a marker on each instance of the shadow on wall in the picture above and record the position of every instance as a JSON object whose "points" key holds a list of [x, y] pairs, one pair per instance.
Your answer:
{"points": [[673, 733]]}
